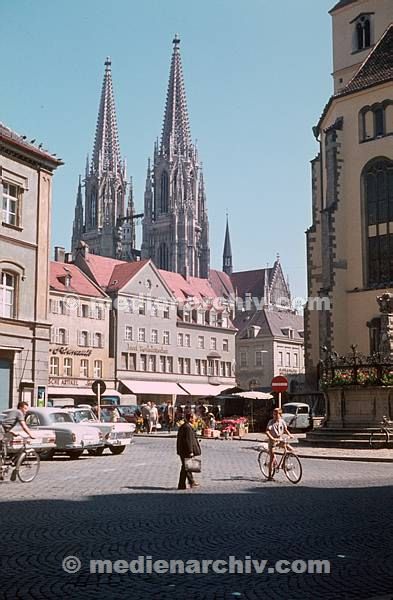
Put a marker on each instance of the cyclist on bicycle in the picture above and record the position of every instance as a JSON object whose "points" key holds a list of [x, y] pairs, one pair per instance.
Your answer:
{"points": [[276, 428], [16, 416]]}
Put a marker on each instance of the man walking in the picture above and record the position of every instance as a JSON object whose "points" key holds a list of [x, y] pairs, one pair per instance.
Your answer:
{"points": [[187, 447]]}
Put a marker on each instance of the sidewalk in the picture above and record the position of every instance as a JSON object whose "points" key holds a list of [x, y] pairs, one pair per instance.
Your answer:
{"points": [[303, 452]]}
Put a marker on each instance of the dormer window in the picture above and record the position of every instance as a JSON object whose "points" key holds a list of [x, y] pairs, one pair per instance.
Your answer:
{"points": [[288, 332], [362, 32]]}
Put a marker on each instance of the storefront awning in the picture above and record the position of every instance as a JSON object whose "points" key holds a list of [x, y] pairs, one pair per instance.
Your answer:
{"points": [[75, 391], [203, 389], [166, 388]]}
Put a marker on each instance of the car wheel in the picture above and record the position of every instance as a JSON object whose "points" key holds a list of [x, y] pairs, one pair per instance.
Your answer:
{"points": [[47, 454], [74, 454], [96, 451], [117, 449]]}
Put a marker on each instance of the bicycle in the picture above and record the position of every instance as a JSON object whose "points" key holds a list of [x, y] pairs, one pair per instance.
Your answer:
{"points": [[381, 438], [288, 462], [24, 464]]}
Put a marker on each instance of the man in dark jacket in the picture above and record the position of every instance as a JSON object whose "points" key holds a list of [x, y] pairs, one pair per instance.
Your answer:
{"points": [[187, 447]]}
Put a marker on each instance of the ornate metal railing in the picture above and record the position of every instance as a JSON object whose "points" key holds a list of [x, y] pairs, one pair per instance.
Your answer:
{"points": [[355, 369]]}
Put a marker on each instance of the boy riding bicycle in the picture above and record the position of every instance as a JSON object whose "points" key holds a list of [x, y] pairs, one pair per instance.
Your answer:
{"points": [[276, 428]]}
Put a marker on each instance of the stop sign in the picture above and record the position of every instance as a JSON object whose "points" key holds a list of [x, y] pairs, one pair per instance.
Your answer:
{"points": [[279, 384]]}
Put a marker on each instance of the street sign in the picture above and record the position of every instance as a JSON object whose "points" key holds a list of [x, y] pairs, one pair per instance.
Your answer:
{"points": [[96, 383], [279, 384]]}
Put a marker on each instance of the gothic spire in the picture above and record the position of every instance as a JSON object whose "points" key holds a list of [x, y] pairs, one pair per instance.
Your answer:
{"points": [[106, 153], [77, 229], [176, 128], [227, 254]]}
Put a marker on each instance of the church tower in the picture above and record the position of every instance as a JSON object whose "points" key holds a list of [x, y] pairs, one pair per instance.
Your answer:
{"points": [[175, 224], [105, 228], [227, 254]]}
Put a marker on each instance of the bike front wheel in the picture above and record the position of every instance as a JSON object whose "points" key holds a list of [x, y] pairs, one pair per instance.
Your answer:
{"points": [[379, 439], [27, 465], [264, 461], [292, 468]]}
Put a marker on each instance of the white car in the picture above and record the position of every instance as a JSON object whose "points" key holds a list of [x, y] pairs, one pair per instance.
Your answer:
{"points": [[42, 441], [71, 438], [117, 435]]}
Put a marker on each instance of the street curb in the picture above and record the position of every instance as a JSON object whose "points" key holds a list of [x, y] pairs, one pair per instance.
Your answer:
{"points": [[373, 459]]}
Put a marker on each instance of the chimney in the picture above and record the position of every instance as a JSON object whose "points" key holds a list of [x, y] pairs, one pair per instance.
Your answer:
{"points": [[59, 254], [83, 248], [68, 257]]}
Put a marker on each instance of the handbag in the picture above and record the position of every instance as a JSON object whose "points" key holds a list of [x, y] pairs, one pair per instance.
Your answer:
{"points": [[194, 464]]}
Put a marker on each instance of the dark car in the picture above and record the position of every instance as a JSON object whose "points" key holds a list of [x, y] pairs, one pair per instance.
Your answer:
{"points": [[129, 412]]}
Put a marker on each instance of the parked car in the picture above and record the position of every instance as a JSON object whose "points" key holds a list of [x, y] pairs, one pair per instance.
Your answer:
{"points": [[71, 438], [130, 412], [297, 415], [42, 441], [117, 435]]}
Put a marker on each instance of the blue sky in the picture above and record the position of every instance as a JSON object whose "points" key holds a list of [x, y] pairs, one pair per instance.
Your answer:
{"points": [[257, 76]]}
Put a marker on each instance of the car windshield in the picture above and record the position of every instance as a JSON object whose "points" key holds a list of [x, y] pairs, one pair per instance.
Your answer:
{"points": [[289, 408], [60, 418], [127, 410], [83, 415]]}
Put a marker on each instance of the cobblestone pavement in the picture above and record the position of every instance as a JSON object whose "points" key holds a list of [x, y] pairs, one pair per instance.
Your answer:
{"points": [[122, 507]]}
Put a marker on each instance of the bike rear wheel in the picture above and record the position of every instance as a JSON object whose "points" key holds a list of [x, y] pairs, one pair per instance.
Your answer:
{"points": [[264, 461], [27, 465], [379, 439], [292, 468]]}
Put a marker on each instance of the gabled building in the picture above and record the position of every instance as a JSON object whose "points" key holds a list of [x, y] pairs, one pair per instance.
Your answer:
{"points": [[170, 336], [350, 241], [26, 195], [79, 347], [104, 220], [175, 224]]}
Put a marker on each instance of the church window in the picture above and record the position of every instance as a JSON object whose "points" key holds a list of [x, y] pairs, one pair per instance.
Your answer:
{"points": [[378, 190], [379, 122], [362, 32], [163, 257], [164, 192]]}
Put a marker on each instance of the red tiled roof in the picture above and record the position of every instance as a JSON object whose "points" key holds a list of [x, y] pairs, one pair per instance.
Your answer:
{"points": [[192, 287], [251, 282], [221, 283], [80, 284], [377, 67], [11, 137], [123, 272], [102, 267]]}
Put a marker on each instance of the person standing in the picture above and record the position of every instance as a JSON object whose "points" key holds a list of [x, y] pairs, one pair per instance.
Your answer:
{"points": [[187, 447], [153, 417], [146, 416], [169, 416]]}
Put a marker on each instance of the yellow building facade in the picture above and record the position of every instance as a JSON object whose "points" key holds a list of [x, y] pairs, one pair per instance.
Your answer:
{"points": [[350, 241]]}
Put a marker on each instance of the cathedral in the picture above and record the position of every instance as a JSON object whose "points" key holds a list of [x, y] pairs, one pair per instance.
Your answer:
{"points": [[175, 223]]}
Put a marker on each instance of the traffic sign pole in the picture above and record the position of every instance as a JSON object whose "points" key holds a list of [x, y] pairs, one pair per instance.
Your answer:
{"points": [[99, 401], [279, 385]]}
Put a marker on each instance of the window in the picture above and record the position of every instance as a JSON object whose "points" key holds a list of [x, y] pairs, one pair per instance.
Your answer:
{"points": [[210, 367], [54, 306], [128, 333], [379, 122], [187, 366], [201, 342], [151, 363], [203, 367], [62, 336], [197, 366], [85, 310], [63, 308], [222, 369], [213, 343], [288, 362], [84, 368], [166, 338], [180, 339], [162, 364], [97, 369], [163, 257], [128, 361], [166, 312], [187, 340], [200, 317], [225, 345], [180, 365], [169, 364], [280, 359], [228, 369], [68, 367], [154, 309], [186, 316], [258, 358], [97, 340], [164, 192], [295, 360], [7, 295], [141, 334], [243, 359], [213, 318], [12, 195], [143, 362], [154, 336], [99, 312], [378, 191], [54, 366], [142, 308], [84, 338], [362, 32]]}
